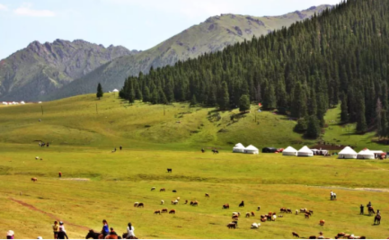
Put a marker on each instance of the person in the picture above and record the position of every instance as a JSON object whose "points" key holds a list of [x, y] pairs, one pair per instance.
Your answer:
{"points": [[61, 226], [105, 229], [55, 229], [130, 231], [112, 232], [362, 207], [62, 234], [10, 234]]}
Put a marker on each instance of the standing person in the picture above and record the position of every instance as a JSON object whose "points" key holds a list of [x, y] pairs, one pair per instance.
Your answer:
{"points": [[130, 231], [10, 234], [62, 234], [55, 229], [105, 229], [361, 207]]}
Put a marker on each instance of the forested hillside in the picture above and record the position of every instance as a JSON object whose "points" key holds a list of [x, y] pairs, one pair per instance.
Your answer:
{"points": [[212, 35], [341, 54]]}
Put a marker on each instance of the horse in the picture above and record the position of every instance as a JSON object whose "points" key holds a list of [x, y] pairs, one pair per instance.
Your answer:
{"points": [[371, 210], [377, 220], [94, 235]]}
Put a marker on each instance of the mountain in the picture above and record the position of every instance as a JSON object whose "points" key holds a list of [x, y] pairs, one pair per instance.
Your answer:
{"points": [[210, 36], [42, 68]]}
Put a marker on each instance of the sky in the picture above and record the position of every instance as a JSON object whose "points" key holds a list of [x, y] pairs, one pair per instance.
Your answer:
{"points": [[134, 24]]}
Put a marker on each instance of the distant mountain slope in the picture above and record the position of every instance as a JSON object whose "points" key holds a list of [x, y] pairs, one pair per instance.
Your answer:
{"points": [[42, 68], [212, 35]]}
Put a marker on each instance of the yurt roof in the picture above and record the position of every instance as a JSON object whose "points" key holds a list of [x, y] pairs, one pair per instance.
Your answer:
{"points": [[251, 147], [347, 150], [290, 149], [305, 149]]}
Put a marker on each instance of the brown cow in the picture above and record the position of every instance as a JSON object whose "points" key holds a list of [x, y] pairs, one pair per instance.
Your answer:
{"points": [[34, 179], [172, 211], [295, 234], [157, 212]]}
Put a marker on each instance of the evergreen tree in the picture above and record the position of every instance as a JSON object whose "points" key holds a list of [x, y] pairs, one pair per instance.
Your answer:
{"points": [[100, 92], [244, 103], [313, 130]]}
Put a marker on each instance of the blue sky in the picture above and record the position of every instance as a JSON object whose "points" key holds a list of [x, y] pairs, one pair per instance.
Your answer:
{"points": [[134, 24]]}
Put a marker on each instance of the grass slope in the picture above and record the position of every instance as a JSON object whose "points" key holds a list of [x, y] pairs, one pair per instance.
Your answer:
{"points": [[210, 36]]}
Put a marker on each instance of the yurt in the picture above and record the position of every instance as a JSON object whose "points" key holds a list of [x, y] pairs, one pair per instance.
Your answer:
{"points": [[347, 153], [239, 148], [365, 154], [305, 152], [289, 151], [251, 150]]}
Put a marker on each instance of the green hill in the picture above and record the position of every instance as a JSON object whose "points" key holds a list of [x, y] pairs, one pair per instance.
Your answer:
{"points": [[210, 36]]}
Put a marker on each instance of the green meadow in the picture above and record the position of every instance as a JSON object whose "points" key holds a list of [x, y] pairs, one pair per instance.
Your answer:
{"points": [[98, 184]]}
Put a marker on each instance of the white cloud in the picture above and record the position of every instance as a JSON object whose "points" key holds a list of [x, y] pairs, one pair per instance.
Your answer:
{"points": [[3, 7], [26, 10]]}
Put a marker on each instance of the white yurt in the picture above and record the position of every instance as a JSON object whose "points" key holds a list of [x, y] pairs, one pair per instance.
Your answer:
{"points": [[115, 90], [289, 151], [251, 150], [239, 148], [305, 152], [347, 153], [365, 154]]}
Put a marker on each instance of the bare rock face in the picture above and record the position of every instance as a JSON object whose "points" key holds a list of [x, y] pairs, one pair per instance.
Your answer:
{"points": [[42, 68]]}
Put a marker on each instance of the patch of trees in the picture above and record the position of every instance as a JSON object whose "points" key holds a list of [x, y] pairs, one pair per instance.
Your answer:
{"points": [[338, 56]]}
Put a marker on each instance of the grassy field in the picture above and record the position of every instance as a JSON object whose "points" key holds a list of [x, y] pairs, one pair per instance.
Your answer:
{"points": [[98, 184]]}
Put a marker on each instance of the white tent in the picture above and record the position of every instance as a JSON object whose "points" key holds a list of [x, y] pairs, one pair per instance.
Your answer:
{"points": [[347, 153], [305, 152], [365, 154], [115, 90], [289, 151], [239, 148], [251, 150]]}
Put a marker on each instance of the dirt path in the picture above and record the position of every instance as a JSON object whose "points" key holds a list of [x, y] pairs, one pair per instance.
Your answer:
{"points": [[47, 214]]}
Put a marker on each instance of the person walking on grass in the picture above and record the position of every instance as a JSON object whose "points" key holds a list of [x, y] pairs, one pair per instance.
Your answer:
{"points": [[55, 229]]}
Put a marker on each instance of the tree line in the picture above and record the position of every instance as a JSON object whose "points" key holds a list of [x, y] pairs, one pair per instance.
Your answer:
{"points": [[338, 56]]}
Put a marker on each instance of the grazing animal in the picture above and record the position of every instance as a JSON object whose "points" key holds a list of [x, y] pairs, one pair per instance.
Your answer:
{"points": [[226, 206], [377, 220], [295, 234], [153, 188], [322, 222], [258, 208], [172, 211], [164, 210], [162, 190], [241, 204], [34, 179], [169, 170], [141, 205], [231, 225], [94, 235], [206, 195], [157, 212], [136, 204], [255, 225], [252, 214], [247, 215], [162, 202]]}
